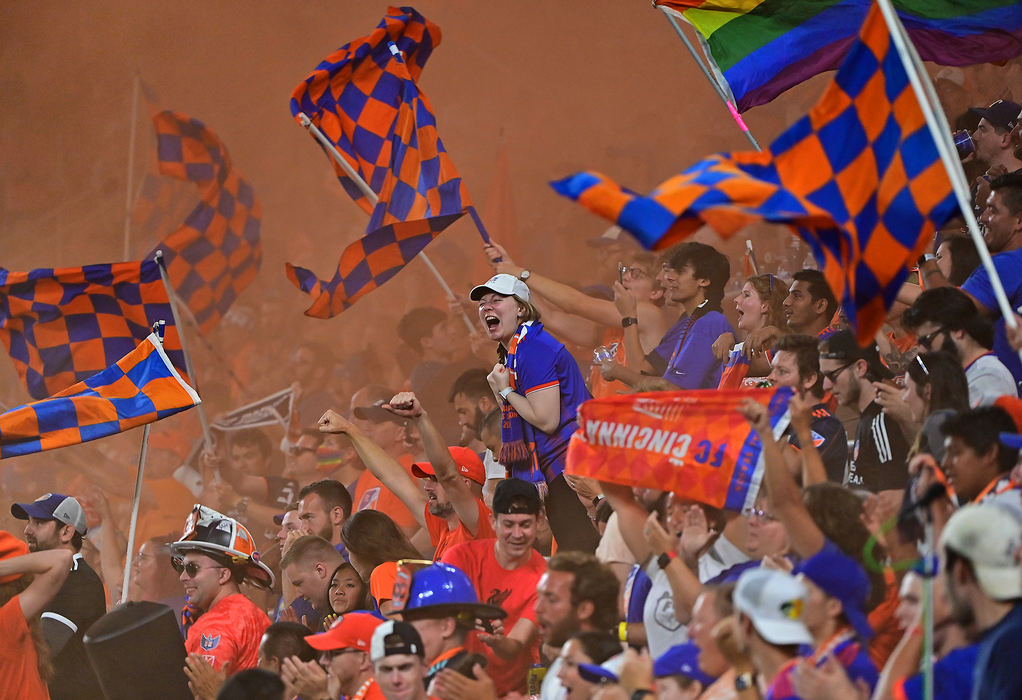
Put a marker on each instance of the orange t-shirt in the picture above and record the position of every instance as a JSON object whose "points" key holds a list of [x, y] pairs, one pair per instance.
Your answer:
{"points": [[442, 536], [230, 631], [19, 670], [886, 631], [371, 494]]}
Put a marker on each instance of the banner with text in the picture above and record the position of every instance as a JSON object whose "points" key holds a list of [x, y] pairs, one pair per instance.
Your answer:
{"points": [[272, 410], [694, 443]]}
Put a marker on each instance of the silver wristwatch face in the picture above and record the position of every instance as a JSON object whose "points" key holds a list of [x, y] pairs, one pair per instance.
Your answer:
{"points": [[525, 275]]}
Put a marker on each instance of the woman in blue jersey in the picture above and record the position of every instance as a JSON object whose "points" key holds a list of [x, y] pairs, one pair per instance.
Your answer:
{"points": [[539, 387]]}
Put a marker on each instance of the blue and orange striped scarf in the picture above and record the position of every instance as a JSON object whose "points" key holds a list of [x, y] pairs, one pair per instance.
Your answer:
{"points": [[516, 450]]}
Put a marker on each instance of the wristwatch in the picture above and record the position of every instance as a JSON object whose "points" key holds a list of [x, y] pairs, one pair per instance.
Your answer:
{"points": [[524, 275], [505, 392], [629, 321], [744, 681], [664, 560]]}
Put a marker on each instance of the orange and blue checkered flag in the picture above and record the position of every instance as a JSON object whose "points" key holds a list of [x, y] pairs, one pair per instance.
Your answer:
{"points": [[142, 387], [61, 326], [217, 252], [365, 100], [859, 178]]}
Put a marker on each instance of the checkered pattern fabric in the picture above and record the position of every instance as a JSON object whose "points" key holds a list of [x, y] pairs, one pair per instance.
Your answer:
{"points": [[366, 101], [161, 204], [217, 252], [65, 325], [142, 387], [859, 178], [353, 95]]}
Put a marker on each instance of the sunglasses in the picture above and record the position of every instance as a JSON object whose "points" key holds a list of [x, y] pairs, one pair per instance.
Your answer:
{"points": [[832, 375], [927, 340], [190, 567]]}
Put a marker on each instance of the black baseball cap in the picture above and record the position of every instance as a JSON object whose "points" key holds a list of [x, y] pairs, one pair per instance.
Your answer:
{"points": [[1003, 113], [513, 496]]}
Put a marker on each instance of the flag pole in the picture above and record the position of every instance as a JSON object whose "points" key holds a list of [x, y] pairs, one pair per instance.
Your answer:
{"points": [[364, 187], [158, 329], [128, 198], [725, 98], [172, 297], [752, 256], [940, 130]]}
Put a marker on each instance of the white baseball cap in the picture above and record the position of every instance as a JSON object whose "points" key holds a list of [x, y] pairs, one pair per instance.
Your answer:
{"points": [[505, 284], [775, 601], [988, 535]]}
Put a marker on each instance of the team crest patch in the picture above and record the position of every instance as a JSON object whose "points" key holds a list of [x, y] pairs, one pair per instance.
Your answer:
{"points": [[817, 438], [209, 642]]}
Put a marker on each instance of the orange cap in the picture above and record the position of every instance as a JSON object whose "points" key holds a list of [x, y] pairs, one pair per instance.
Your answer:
{"points": [[468, 463], [350, 631]]}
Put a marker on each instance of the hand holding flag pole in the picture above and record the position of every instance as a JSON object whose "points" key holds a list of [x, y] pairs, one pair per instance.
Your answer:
{"points": [[940, 130]]}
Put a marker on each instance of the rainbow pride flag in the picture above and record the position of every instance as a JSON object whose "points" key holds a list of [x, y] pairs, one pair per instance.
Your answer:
{"points": [[763, 47]]}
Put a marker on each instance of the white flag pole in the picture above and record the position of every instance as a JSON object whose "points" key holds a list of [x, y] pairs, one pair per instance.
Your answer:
{"points": [[158, 329], [172, 297], [940, 130], [373, 199], [727, 99], [128, 194]]}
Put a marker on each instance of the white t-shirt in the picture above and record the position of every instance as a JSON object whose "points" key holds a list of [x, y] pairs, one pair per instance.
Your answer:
{"points": [[988, 379], [721, 555], [663, 629]]}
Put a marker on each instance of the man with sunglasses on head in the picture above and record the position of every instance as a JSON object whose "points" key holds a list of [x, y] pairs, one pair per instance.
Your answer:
{"points": [[213, 557], [879, 455], [945, 319]]}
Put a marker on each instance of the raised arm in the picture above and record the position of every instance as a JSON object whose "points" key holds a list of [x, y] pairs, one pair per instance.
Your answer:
{"points": [[50, 568], [384, 467], [804, 535], [458, 492]]}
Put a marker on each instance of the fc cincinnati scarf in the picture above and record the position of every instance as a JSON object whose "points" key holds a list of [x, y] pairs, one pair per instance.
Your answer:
{"points": [[515, 450]]}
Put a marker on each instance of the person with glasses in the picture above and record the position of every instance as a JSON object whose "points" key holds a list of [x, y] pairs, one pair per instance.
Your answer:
{"points": [[880, 452], [639, 302], [344, 653], [213, 557], [945, 319]]}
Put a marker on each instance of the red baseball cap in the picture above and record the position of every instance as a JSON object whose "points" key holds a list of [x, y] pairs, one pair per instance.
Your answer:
{"points": [[468, 463], [350, 631]]}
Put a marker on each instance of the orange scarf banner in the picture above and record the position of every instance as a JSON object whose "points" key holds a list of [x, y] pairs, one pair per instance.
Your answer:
{"points": [[694, 443]]}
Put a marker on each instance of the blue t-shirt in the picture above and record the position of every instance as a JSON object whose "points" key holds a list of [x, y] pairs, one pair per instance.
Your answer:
{"points": [[952, 677], [1009, 269], [998, 674], [692, 364], [542, 361]]}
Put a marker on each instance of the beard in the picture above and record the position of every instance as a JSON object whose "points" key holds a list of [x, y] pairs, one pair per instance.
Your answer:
{"points": [[441, 510]]}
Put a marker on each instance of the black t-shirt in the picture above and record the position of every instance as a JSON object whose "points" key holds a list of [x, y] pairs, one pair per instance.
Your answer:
{"points": [[79, 603], [830, 440], [880, 453]]}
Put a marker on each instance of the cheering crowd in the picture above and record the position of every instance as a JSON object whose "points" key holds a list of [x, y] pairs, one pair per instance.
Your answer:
{"points": [[429, 538]]}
